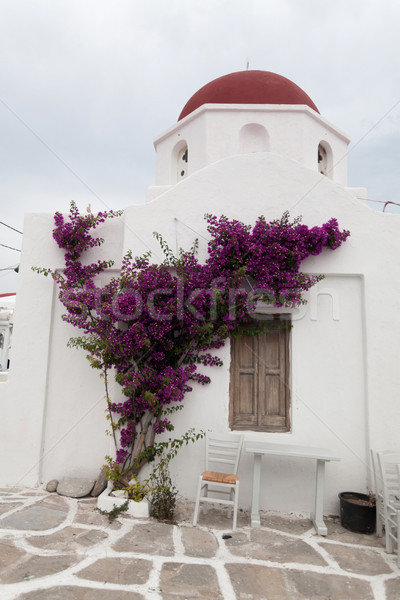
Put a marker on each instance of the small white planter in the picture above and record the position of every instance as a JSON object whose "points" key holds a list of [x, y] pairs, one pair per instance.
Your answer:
{"points": [[107, 502]]}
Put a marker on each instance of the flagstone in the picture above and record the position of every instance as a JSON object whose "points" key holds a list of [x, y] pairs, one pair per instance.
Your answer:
{"points": [[45, 514], [68, 539], [6, 506], [188, 581], [72, 592], [9, 554], [267, 545], [124, 571], [333, 587], [198, 542], [32, 566], [258, 583], [147, 538], [393, 589], [358, 560], [215, 518], [87, 514], [288, 524], [339, 534]]}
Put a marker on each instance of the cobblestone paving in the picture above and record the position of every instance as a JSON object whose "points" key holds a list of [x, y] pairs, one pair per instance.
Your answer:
{"points": [[58, 548]]}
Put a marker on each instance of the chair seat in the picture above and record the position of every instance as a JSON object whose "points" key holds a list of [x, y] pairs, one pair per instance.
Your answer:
{"points": [[219, 477]]}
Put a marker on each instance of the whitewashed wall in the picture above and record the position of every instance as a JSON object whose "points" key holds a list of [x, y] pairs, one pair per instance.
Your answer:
{"points": [[344, 351], [52, 423], [343, 346]]}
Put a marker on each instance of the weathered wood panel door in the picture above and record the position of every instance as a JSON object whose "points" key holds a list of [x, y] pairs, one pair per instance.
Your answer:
{"points": [[259, 389]]}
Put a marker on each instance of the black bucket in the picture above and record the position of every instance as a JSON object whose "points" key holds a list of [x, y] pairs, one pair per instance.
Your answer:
{"points": [[357, 513]]}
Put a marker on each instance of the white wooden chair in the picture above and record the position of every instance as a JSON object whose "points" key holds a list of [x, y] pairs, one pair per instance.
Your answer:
{"points": [[380, 514], [223, 454], [388, 463]]}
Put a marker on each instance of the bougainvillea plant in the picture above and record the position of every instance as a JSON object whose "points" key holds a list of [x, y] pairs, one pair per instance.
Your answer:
{"points": [[157, 325]]}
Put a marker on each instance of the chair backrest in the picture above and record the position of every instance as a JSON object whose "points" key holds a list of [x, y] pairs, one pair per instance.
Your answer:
{"points": [[388, 462], [223, 451], [398, 478], [376, 471]]}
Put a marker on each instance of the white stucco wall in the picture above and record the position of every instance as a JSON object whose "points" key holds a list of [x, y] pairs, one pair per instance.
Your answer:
{"points": [[337, 392], [344, 344], [49, 423]]}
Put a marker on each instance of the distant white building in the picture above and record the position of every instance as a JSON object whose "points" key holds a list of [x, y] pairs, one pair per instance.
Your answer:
{"points": [[6, 327], [246, 144]]}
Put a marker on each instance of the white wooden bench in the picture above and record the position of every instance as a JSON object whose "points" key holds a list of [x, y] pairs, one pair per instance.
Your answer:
{"points": [[321, 455]]}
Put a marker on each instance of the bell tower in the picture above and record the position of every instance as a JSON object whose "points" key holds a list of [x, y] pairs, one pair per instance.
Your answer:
{"points": [[249, 112]]}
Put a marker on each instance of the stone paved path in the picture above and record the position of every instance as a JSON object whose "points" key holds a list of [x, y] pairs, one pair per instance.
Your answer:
{"points": [[58, 548]]}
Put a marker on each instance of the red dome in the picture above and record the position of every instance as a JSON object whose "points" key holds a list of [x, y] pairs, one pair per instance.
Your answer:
{"points": [[248, 87]]}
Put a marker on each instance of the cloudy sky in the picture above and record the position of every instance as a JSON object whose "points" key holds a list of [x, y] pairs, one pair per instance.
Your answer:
{"points": [[86, 85]]}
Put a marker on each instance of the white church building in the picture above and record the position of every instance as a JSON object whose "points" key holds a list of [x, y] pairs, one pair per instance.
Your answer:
{"points": [[247, 144]]}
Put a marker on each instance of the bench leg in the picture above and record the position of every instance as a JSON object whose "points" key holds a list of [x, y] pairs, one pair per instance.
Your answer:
{"points": [[317, 517], [255, 502]]}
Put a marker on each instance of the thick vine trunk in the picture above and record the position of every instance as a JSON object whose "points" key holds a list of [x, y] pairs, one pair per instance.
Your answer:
{"points": [[141, 445]]}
